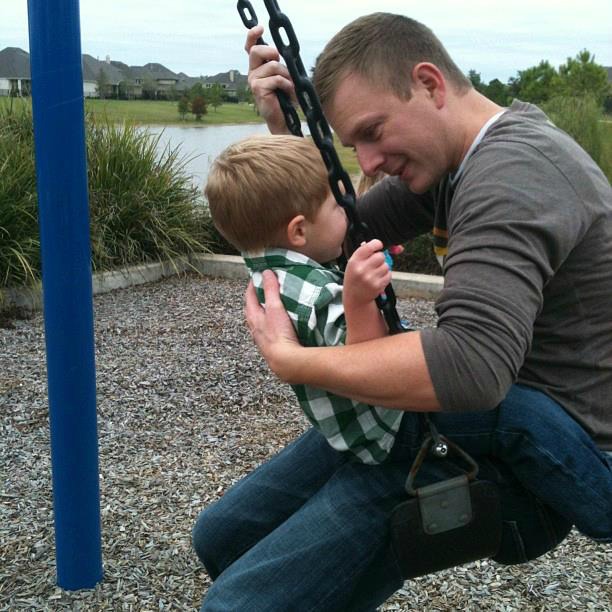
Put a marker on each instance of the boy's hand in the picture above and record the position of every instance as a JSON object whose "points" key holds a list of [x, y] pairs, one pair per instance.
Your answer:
{"points": [[367, 273], [266, 75]]}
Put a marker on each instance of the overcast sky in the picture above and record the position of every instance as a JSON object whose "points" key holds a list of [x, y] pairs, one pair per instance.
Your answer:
{"points": [[202, 37]]}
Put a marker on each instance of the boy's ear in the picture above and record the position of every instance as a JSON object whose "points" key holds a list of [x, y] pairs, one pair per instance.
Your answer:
{"points": [[296, 231]]}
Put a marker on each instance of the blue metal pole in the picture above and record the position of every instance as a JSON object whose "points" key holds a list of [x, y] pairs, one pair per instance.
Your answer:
{"points": [[61, 172]]}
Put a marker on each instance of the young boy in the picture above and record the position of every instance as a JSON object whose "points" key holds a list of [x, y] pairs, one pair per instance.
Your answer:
{"points": [[269, 197]]}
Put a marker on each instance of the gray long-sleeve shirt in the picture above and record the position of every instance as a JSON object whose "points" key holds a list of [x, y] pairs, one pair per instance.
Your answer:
{"points": [[528, 275]]}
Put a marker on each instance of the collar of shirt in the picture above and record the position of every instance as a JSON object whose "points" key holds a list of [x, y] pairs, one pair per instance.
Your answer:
{"points": [[266, 259], [483, 130]]}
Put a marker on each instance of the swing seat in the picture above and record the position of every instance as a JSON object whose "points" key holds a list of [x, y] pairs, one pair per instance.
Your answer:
{"points": [[447, 523], [438, 530]]}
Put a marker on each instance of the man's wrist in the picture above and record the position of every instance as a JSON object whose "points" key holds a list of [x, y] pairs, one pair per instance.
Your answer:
{"points": [[291, 363]]}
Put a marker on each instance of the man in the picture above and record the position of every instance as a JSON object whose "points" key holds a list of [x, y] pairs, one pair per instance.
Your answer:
{"points": [[523, 218]]}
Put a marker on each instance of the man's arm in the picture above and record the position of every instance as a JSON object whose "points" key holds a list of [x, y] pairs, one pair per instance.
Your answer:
{"points": [[389, 371], [393, 213], [367, 274]]}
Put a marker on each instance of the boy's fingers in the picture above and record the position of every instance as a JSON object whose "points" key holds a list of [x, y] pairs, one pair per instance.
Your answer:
{"points": [[371, 247]]}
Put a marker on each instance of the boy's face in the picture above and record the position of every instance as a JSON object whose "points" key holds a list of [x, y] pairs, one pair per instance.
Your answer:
{"points": [[326, 232]]}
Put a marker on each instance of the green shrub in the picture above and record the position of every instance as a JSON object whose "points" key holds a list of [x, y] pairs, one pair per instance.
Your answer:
{"points": [[418, 257], [19, 243], [143, 206], [581, 117]]}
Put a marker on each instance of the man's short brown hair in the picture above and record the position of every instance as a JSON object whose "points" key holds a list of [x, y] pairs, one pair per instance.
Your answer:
{"points": [[256, 186], [382, 48]]}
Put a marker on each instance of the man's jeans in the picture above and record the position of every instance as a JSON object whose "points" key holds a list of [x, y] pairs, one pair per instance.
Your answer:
{"points": [[308, 530]]}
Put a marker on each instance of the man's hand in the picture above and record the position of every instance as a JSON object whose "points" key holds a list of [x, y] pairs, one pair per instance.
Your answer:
{"points": [[367, 274], [271, 327], [266, 75]]}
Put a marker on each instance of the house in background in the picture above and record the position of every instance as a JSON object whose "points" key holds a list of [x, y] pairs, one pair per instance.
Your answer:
{"points": [[117, 79], [15, 72], [231, 82], [96, 73], [163, 79]]}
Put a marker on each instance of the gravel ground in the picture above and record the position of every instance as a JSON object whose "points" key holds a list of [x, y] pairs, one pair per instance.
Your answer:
{"points": [[186, 407]]}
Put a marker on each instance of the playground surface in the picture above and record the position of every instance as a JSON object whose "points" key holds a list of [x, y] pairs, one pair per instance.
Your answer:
{"points": [[186, 407]]}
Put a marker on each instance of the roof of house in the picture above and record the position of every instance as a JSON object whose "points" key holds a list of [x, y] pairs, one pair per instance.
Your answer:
{"points": [[14, 63], [187, 82], [224, 78], [158, 71], [92, 67]]}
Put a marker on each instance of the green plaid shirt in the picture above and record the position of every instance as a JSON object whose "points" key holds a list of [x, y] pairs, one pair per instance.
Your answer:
{"points": [[312, 295]]}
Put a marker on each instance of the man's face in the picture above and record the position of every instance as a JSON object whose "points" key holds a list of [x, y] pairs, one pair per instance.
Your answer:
{"points": [[404, 138]]}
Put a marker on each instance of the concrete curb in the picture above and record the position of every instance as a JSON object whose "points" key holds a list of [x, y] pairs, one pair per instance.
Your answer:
{"points": [[405, 284], [225, 266]]}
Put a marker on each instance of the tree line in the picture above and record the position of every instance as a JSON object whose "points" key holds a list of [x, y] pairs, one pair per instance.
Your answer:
{"points": [[578, 76], [199, 98]]}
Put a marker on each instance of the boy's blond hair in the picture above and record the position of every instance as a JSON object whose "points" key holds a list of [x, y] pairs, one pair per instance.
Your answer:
{"points": [[256, 186]]}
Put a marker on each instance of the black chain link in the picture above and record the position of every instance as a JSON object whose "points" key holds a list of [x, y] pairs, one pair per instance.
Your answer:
{"points": [[339, 180], [291, 117]]}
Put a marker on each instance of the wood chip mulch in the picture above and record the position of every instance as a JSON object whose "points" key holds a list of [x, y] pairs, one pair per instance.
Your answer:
{"points": [[186, 407]]}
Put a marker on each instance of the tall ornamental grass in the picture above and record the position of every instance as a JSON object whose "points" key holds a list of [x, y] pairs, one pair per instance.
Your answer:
{"points": [[582, 118], [143, 206], [19, 244]]}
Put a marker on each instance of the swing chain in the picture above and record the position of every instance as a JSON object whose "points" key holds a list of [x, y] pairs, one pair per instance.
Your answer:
{"points": [[339, 180], [249, 19]]}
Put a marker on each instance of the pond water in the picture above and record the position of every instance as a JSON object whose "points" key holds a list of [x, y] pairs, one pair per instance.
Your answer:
{"points": [[201, 144]]}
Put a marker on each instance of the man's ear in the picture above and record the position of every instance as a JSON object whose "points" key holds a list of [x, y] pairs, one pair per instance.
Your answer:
{"points": [[430, 78], [296, 231]]}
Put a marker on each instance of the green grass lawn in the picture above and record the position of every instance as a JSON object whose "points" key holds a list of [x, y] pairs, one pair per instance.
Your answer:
{"points": [[165, 112], [156, 112]]}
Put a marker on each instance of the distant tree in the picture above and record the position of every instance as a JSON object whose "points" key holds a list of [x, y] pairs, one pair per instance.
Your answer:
{"points": [[581, 117], [102, 84], [198, 107], [534, 84], [241, 93], [183, 106], [197, 90], [498, 92], [215, 96], [581, 75], [149, 89], [476, 81], [126, 89]]}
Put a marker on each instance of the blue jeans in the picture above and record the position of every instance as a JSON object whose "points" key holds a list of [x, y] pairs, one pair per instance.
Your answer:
{"points": [[547, 451], [308, 530]]}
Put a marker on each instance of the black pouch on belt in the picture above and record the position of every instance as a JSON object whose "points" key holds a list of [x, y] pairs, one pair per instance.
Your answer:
{"points": [[447, 523]]}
